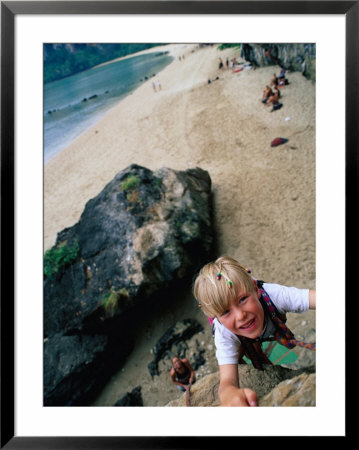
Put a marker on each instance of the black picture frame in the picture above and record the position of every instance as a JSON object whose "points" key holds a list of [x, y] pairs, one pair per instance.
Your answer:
{"points": [[9, 9]]}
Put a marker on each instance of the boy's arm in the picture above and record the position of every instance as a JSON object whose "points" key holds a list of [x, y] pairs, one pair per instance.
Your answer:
{"points": [[229, 392], [312, 299]]}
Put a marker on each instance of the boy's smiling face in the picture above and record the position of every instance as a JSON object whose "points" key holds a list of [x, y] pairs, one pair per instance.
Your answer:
{"points": [[245, 315]]}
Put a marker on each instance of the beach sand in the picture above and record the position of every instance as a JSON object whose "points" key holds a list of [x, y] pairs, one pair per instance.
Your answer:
{"points": [[264, 197]]}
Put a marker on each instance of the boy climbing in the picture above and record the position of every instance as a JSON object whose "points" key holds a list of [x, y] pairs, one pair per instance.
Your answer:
{"points": [[245, 312]]}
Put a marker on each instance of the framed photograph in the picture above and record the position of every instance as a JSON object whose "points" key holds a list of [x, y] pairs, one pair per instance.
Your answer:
{"points": [[36, 190]]}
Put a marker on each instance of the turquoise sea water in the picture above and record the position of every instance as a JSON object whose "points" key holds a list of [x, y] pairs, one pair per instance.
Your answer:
{"points": [[74, 104]]}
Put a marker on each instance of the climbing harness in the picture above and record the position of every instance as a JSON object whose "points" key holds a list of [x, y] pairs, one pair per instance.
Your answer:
{"points": [[252, 348], [283, 335]]}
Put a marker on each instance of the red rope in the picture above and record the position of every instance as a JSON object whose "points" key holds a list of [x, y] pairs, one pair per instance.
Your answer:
{"points": [[284, 336], [188, 400]]}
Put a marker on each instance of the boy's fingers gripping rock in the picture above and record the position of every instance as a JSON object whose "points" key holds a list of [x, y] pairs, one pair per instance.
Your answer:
{"points": [[251, 397], [241, 397]]}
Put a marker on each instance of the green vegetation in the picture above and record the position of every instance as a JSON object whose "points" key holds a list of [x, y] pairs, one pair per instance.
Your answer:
{"points": [[59, 257], [110, 301], [130, 183], [63, 60], [224, 46]]}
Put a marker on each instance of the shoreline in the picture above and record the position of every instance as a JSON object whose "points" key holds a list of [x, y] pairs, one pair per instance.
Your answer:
{"points": [[100, 115], [161, 48]]}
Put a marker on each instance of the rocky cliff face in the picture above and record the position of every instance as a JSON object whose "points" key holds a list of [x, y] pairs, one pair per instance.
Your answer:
{"points": [[293, 57], [275, 386], [145, 232]]}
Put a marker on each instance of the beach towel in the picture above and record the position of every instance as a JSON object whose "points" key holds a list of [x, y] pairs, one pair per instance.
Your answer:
{"points": [[278, 141]]}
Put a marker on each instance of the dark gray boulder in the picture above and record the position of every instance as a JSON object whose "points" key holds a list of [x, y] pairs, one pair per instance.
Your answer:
{"points": [[70, 362], [145, 233]]}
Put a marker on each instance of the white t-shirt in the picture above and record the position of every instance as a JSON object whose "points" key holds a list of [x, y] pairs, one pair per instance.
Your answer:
{"points": [[286, 299]]}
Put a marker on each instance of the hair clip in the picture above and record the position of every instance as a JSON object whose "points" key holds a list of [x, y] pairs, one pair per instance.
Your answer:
{"points": [[219, 275], [229, 283], [249, 271]]}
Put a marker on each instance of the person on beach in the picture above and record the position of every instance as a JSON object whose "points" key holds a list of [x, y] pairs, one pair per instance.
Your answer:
{"points": [[274, 80], [267, 92], [159, 85], [274, 100], [244, 312], [281, 74], [281, 80], [211, 81], [154, 86], [220, 63], [276, 92], [182, 373]]}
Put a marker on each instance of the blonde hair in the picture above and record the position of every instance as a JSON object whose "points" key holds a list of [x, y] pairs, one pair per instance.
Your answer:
{"points": [[215, 294]]}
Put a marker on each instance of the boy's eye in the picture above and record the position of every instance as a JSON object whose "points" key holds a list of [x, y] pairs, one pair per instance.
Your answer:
{"points": [[225, 313], [242, 299]]}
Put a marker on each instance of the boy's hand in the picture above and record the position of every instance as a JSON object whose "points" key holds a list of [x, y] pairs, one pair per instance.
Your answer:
{"points": [[239, 397], [229, 392]]}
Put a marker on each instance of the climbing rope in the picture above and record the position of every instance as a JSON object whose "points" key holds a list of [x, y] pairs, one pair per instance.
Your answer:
{"points": [[188, 400], [283, 336]]}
